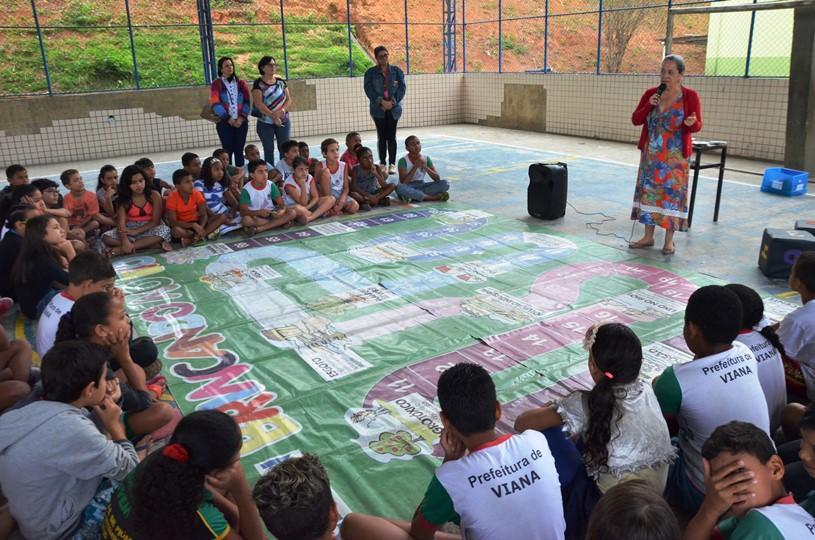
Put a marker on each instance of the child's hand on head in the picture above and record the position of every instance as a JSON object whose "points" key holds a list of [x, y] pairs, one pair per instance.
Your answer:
{"points": [[114, 389], [227, 480]]}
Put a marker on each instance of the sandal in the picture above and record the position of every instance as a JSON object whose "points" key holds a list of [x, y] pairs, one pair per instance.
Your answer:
{"points": [[671, 251], [640, 244]]}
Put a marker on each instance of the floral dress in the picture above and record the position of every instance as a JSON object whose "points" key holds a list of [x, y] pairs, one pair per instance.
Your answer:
{"points": [[661, 195]]}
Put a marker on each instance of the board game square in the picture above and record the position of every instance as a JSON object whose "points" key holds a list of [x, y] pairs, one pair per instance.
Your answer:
{"points": [[239, 245]]}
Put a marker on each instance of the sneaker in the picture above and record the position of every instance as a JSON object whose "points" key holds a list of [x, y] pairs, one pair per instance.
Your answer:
{"points": [[391, 169], [404, 198], [444, 197], [6, 304], [385, 202], [365, 207]]}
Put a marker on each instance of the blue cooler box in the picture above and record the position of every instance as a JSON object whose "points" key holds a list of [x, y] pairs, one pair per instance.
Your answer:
{"points": [[783, 181]]}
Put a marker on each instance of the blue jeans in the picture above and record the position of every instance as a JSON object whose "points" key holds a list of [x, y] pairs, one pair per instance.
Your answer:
{"points": [[679, 490], [268, 133], [233, 140], [415, 191]]}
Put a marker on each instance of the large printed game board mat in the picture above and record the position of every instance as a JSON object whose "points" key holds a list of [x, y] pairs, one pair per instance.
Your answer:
{"points": [[330, 339]]}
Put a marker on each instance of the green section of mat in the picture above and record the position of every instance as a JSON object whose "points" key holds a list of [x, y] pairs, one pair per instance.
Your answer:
{"points": [[330, 339]]}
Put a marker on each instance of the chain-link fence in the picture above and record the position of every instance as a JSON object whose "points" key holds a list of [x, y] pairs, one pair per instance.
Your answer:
{"points": [[66, 46]]}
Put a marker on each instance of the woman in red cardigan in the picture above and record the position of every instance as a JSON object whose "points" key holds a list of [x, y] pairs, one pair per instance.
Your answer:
{"points": [[667, 118]]}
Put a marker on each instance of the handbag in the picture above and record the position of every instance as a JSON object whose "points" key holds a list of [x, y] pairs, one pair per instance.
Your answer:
{"points": [[208, 114]]}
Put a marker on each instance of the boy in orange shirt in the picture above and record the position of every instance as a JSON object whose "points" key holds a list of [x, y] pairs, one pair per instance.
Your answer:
{"points": [[83, 204], [187, 213]]}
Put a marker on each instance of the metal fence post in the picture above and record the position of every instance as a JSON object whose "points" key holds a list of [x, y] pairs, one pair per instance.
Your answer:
{"points": [[407, 45], [136, 77], [500, 36], [599, 36], [348, 23], [750, 43], [42, 49], [464, 34], [283, 31], [546, 37]]}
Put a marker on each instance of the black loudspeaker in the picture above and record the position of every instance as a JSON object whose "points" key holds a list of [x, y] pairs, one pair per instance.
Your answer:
{"points": [[546, 194], [805, 225], [780, 248]]}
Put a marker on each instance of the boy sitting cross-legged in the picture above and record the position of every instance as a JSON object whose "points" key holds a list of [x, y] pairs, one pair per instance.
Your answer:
{"points": [[413, 169], [369, 183], [720, 385], [744, 478], [495, 486], [187, 213], [259, 201], [55, 465]]}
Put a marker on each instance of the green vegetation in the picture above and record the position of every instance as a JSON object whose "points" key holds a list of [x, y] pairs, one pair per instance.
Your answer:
{"points": [[82, 60]]}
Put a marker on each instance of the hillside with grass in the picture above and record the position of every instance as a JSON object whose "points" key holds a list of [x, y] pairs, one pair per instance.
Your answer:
{"points": [[87, 42]]}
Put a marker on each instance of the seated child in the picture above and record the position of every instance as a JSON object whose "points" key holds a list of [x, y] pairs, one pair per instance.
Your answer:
{"points": [[100, 318], [295, 501], [139, 210], [156, 184], [349, 157], [53, 203], [799, 461], [302, 148], [40, 269], [192, 163], [106, 194], [619, 423], [300, 192], [744, 479], [334, 179], [83, 205], [722, 367], [369, 184], [15, 368], [56, 467], [11, 245], [285, 165], [632, 510], [261, 204], [251, 153], [413, 169], [16, 175], [88, 272], [464, 489], [187, 212], [213, 185], [194, 488], [765, 345], [797, 331], [232, 172]]}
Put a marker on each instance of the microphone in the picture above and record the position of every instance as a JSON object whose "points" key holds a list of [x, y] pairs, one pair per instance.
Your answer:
{"points": [[661, 89]]}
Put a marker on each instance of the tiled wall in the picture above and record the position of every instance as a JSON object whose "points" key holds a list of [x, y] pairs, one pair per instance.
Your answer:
{"points": [[748, 113]]}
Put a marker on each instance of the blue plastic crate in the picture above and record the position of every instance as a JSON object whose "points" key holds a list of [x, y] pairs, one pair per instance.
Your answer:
{"points": [[783, 181]]}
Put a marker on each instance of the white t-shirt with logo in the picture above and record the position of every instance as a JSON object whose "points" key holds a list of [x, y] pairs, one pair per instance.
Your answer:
{"points": [[707, 393], [770, 374], [797, 335], [290, 181], [508, 489], [48, 323], [284, 168], [336, 179]]}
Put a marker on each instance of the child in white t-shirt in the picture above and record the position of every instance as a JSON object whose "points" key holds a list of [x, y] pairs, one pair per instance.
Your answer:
{"points": [[285, 165], [88, 272], [720, 385], [261, 204], [763, 342], [300, 193], [335, 179], [413, 169], [493, 486], [797, 331], [621, 428]]}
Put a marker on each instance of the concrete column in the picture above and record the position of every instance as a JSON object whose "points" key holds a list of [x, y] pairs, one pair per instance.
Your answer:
{"points": [[800, 143]]}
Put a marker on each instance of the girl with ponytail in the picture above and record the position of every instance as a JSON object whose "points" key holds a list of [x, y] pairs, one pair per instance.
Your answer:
{"points": [[192, 489], [757, 333], [620, 432]]}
